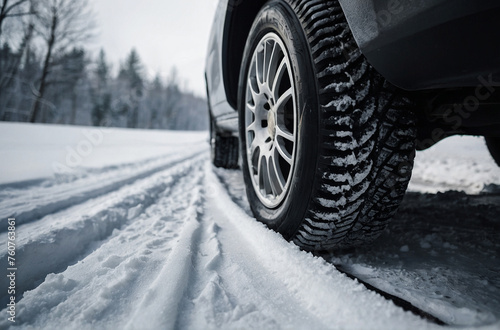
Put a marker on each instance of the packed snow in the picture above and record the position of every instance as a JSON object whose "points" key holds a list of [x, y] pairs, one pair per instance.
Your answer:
{"points": [[135, 229], [460, 163]]}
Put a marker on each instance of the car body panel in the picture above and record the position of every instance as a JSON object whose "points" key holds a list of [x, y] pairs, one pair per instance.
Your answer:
{"points": [[428, 44], [217, 98], [222, 67], [416, 45]]}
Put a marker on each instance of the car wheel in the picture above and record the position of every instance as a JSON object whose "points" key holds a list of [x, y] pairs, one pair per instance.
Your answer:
{"points": [[224, 148], [327, 145], [493, 144]]}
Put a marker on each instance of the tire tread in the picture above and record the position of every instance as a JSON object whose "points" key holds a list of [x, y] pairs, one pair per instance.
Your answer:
{"points": [[358, 187], [225, 151]]}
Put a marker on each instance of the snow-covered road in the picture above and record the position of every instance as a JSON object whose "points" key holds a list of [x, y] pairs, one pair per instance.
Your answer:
{"points": [[136, 230]]}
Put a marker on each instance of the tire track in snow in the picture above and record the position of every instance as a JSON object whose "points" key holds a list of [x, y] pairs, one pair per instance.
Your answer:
{"points": [[118, 271], [232, 182], [437, 283], [298, 286], [169, 286], [210, 301], [198, 287], [192, 258], [73, 230], [53, 198]]}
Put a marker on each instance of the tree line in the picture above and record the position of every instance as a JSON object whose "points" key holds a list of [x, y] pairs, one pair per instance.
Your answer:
{"points": [[47, 75]]}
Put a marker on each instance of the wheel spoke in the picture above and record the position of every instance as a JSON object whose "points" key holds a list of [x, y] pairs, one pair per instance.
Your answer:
{"points": [[258, 168], [251, 127], [259, 67], [270, 66], [284, 133], [283, 152], [283, 99], [278, 182], [272, 181], [277, 77], [253, 147], [264, 63], [255, 94], [266, 183], [251, 108]]}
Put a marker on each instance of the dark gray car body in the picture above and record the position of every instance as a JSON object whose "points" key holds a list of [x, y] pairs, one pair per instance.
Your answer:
{"points": [[416, 45]]}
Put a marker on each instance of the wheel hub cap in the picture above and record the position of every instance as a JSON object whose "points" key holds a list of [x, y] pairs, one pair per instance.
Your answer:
{"points": [[271, 123]]}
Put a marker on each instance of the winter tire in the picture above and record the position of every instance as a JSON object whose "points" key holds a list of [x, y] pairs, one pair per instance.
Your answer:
{"points": [[493, 144], [327, 145], [224, 149]]}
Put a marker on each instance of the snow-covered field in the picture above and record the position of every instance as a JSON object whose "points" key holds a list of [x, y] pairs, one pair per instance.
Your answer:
{"points": [[135, 229]]}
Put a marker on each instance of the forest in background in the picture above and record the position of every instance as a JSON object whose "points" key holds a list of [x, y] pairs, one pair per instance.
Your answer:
{"points": [[48, 76]]}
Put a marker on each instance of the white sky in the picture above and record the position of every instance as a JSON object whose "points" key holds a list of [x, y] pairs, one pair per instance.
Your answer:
{"points": [[166, 33]]}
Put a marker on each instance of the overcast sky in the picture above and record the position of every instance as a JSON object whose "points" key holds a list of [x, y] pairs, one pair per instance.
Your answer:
{"points": [[166, 33]]}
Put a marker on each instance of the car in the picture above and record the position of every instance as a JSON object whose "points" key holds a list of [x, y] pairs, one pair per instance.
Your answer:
{"points": [[323, 104]]}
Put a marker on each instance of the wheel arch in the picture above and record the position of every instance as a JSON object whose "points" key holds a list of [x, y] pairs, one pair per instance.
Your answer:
{"points": [[240, 15]]}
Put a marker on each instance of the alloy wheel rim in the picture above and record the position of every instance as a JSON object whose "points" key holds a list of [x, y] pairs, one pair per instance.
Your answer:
{"points": [[270, 121]]}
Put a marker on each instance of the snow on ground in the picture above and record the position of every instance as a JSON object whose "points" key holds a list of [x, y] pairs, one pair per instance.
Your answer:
{"points": [[441, 254], [441, 251], [457, 163], [136, 230], [31, 152]]}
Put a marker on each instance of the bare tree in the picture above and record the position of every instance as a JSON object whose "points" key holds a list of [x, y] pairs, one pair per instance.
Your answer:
{"points": [[61, 24], [14, 9], [16, 42], [10, 66]]}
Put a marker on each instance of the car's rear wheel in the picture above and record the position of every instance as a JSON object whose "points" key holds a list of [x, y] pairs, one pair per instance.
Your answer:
{"points": [[327, 145], [224, 148], [493, 144]]}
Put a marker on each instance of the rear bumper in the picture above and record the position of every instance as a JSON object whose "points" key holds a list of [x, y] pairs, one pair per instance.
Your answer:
{"points": [[432, 44]]}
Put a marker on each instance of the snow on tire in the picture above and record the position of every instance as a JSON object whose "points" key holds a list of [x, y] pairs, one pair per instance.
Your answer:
{"points": [[350, 136]]}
